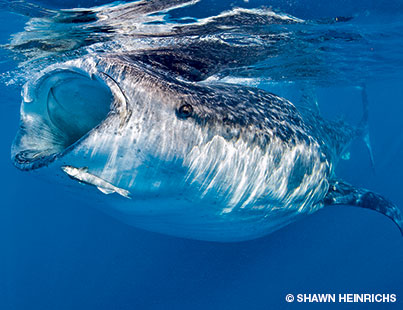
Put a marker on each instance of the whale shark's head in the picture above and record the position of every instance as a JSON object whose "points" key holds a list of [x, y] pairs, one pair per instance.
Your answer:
{"points": [[112, 117]]}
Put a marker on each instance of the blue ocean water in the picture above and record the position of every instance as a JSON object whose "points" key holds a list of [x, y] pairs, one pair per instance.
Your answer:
{"points": [[57, 252]]}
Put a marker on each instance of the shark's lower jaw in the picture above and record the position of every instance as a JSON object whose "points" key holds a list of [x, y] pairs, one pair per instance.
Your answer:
{"points": [[58, 110]]}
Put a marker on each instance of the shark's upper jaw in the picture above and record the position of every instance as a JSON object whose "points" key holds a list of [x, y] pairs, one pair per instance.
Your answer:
{"points": [[58, 110]]}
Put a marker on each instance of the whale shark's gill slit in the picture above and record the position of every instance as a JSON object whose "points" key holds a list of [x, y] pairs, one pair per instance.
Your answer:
{"points": [[67, 104], [123, 109]]}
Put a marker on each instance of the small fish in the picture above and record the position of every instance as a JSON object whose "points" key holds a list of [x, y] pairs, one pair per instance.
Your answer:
{"points": [[82, 175]]}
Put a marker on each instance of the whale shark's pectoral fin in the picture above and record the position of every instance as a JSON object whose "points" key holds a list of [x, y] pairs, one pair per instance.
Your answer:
{"points": [[341, 193]]}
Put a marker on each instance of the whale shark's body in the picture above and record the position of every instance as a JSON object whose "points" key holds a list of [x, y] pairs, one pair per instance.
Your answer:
{"points": [[202, 160]]}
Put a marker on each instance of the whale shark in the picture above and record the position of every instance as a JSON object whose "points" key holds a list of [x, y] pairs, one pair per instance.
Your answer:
{"points": [[130, 115], [203, 160]]}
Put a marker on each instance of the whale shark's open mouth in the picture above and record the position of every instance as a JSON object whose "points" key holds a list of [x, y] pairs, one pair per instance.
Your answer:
{"points": [[58, 110]]}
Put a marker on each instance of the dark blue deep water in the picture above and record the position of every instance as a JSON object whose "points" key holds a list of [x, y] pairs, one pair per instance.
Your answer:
{"points": [[59, 253]]}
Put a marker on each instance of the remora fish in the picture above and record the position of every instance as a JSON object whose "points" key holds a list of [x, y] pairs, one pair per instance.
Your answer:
{"points": [[82, 175], [201, 160]]}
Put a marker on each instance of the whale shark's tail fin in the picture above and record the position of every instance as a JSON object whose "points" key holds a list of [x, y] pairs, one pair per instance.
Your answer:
{"points": [[342, 193], [363, 127]]}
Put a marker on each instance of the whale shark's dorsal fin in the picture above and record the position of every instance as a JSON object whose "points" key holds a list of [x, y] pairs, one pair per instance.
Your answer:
{"points": [[309, 99], [363, 127], [342, 193]]}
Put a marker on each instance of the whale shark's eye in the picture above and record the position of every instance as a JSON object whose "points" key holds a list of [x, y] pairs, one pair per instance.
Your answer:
{"points": [[185, 111]]}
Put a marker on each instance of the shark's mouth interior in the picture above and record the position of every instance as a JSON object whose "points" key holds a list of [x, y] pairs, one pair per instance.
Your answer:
{"points": [[58, 110]]}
